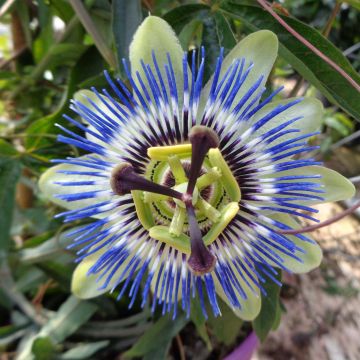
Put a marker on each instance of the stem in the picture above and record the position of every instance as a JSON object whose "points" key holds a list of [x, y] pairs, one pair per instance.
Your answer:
{"points": [[299, 83], [181, 347], [90, 27], [332, 220], [309, 45], [331, 19]]}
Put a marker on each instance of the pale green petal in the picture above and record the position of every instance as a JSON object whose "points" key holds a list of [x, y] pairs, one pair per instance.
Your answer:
{"points": [[250, 307], [49, 189], [85, 286], [313, 254], [81, 96], [310, 109], [155, 34], [336, 186], [259, 48]]}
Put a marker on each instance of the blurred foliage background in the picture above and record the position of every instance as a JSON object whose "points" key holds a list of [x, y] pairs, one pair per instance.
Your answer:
{"points": [[49, 49]]}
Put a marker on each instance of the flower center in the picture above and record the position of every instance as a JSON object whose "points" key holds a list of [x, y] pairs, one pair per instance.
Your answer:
{"points": [[187, 196]]}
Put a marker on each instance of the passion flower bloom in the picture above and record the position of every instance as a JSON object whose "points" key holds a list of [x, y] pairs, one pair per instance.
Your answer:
{"points": [[188, 185]]}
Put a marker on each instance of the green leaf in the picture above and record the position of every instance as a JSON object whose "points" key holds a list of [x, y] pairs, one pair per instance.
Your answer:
{"points": [[216, 33], [126, 16], [71, 315], [269, 309], [9, 175], [353, 3], [89, 64], [182, 15], [6, 149], [199, 321], [58, 271], [43, 349], [226, 328], [334, 86], [84, 351], [158, 338], [48, 250]]}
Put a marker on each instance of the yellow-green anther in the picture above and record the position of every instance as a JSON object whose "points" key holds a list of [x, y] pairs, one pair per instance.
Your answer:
{"points": [[177, 169], [209, 211], [161, 153], [209, 178], [227, 179], [177, 222], [150, 197], [143, 210], [227, 214], [162, 233]]}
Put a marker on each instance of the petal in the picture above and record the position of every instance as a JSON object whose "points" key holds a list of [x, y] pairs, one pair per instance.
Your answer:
{"points": [[259, 48], [84, 286], [309, 109], [250, 307], [313, 253], [83, 96], [336, 187], [156, 35], [49, 188]]}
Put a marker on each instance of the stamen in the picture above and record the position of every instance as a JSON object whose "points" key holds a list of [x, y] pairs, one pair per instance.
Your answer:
{"points": [[124, 179], [202, 140], [213, 175], [209, 211], [177, 222], [201, 260], [177, 169]]}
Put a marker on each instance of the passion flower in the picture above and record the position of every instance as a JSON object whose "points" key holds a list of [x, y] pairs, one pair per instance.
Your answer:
{"points": [[190, 185]]}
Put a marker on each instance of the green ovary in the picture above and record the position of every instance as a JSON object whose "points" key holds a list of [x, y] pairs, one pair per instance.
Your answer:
{"points": [[215, 197]]}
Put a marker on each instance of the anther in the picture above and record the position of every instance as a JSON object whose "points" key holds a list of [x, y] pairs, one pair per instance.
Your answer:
{"points": [[202, 140], [124, 179]]}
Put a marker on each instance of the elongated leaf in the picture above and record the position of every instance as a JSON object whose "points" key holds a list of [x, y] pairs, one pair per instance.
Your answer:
{"points": [[84, 351], [158, 338], [270, 310], [182, 15], [88, 65], [71, 315], [199, 321], [226, 327], [43, 349], [48, 250], [216, 34], [9, 175], [126, 17], [334, 86]]}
